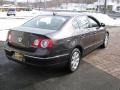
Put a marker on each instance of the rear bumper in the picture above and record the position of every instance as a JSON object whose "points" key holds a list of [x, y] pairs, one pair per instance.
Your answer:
{"points": [[38, 61]]}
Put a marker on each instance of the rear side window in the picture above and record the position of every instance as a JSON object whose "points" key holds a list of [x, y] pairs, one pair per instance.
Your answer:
{"points": [[83, 22], [75, 24], [47, 22]]}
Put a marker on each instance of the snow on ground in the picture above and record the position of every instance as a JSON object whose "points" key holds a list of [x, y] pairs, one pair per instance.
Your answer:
{"points": [[3, 35], [117, 21], [10, 23], [7, 22], [23, 14]]}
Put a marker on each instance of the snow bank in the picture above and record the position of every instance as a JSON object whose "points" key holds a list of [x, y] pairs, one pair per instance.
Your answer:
{"points": [[107, 20]]}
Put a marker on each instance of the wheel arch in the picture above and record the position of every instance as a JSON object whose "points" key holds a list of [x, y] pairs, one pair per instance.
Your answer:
{"points": [[107, 32], [80, 48]]}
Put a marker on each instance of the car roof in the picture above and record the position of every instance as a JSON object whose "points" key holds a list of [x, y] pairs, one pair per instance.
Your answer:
{"points": [[74, 14], [67, 14], [70, 14]]}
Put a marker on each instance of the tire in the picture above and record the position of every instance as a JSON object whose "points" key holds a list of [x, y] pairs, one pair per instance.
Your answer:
{"points": [[74, 60], [105, 44]]}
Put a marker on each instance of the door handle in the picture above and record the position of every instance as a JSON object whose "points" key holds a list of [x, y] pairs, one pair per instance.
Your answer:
{"points": [[95, 32], [68, 40], [83, 36]]}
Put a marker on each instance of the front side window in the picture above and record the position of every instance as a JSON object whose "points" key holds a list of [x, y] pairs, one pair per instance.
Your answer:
{"points": [[93, 23], [47, 22]]}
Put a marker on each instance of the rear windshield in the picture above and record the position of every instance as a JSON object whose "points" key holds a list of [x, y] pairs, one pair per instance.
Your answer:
{"points": [[47, 22]]}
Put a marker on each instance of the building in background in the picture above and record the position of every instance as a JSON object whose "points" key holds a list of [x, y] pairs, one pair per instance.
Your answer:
{"points": [[112, 5], [6, 7], [72, 6]]}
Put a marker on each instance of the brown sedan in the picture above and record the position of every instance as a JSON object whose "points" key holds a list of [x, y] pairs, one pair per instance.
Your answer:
{"points": [[49, 40]]}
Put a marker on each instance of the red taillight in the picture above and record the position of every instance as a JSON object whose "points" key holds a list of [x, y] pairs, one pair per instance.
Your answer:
{"points": [[9, 37], [43, 43], [36, 42]]}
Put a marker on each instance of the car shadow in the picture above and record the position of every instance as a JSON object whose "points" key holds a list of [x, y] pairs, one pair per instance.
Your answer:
{"points": [[15, 76]]}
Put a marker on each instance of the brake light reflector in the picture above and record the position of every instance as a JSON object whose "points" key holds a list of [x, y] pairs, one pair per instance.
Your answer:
{"points": [[46, 43], [36, 42]]}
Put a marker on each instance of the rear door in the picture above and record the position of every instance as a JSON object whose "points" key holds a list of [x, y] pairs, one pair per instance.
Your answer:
{"points": [[86, 35]]}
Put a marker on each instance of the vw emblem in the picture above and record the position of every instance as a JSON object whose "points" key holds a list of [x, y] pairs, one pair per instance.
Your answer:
{"points": [[20, 39]]}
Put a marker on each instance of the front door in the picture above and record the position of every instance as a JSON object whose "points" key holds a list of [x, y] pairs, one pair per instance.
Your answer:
{"points": [[97, 30]]}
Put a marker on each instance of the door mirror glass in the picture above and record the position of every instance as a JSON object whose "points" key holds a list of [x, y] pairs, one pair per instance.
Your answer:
{"points": [[102, 25]]}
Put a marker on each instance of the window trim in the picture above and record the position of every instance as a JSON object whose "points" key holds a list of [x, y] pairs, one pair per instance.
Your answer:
{"points": [[94, 19], [78, 21]]}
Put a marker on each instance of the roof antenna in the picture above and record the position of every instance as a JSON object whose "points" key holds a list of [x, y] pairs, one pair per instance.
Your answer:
{"points": [[54, 13]]}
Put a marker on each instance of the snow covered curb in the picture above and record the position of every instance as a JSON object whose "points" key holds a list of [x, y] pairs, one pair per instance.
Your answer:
{"points": [[12, 17]]}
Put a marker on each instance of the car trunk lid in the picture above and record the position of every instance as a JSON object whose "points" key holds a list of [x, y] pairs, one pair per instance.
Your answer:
{"points": [[34, 30], [19, 38], [22, 39]]}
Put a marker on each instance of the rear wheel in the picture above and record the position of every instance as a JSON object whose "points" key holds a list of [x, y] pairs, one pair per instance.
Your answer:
{"points": [[74, 60], [105, 44]]}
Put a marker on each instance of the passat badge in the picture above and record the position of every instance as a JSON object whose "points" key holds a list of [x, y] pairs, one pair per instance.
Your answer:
{"points": [[20, 39]]}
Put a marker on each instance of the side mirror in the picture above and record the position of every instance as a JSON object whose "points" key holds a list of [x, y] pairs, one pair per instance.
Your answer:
{"points": [[102, 25]]}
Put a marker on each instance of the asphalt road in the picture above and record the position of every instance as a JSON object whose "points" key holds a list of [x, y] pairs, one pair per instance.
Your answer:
{"points": [[14, 76]]}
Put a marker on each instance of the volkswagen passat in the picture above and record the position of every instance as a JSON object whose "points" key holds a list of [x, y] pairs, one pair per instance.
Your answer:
{"points": [[49, 40]]}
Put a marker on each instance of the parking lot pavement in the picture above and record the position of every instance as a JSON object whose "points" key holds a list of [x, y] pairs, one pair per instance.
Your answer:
{"points": [[14, 76], [99, 70], [108, 59]]}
